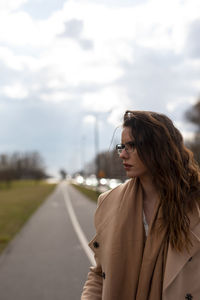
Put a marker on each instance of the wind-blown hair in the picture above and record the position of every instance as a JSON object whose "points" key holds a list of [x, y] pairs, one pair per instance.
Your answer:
{"points": [[175, 173]]}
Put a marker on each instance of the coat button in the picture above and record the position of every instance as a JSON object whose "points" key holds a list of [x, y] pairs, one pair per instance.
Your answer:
{"points": [[190, 259], [188, 297], [103, 275], [96, 244]]}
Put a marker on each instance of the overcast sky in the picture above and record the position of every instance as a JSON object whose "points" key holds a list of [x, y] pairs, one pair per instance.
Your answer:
{"points": [[63, 62]]}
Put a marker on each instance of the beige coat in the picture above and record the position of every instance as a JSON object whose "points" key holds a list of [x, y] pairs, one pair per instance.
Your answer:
{"points": [[113, 249]]}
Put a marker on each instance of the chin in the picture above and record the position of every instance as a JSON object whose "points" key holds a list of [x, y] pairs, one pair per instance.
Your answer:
{"points": [[130, 174]]}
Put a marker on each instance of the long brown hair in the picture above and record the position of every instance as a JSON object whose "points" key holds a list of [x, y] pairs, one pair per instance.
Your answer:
{"points": [[175, 173]]}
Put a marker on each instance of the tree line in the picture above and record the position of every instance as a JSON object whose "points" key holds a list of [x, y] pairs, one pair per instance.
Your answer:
{"points": [[193, 116], [16, 166]]}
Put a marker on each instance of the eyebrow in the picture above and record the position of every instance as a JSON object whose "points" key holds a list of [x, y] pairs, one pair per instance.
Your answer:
{"points": [[130, 142]]}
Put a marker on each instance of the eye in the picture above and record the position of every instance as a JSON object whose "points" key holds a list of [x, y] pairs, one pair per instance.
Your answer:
{"points": [[130, 145]]}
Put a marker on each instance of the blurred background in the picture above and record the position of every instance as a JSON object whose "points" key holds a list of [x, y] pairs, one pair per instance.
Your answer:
{"points": [[69, 70]]}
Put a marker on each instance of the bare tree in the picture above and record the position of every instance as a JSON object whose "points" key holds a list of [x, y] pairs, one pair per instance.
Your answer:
{"points": [[111, 165], [193, 115], [18, 165], [63, 174]]}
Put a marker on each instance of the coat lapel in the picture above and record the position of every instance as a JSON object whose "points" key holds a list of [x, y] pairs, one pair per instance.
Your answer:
{"points": [[176, 261], [104, 215]]}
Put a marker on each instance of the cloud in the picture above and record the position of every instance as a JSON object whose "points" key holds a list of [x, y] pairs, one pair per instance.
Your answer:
{"points": [[157, 78], [20, 29], [172, 106], [15, 91], [152, 24], [73, 30], [68, 61], [119, 3], [107, 99], [109, 103], [186, 129], [9, 59], [18, 62], [42, 9], [10, 5], [90, 119], [57, 97], [193, 41], [109, 43], [23, 30]]}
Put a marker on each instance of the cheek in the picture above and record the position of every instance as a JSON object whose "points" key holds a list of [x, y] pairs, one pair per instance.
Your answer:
{"points": [[135, 158], [139, 163]]}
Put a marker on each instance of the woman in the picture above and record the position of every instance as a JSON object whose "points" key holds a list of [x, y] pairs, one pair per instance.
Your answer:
{"points": [[147, 244]]}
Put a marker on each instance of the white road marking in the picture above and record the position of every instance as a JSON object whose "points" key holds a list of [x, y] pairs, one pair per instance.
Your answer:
{"points": [[81, 236]]}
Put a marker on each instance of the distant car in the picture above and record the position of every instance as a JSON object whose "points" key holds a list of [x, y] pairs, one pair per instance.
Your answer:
{"points": [[79, 179], [91, 180], [114, 183]]}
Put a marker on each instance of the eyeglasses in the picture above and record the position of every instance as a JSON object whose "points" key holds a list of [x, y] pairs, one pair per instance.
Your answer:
{"points": [[129, 147], [129, 114]]}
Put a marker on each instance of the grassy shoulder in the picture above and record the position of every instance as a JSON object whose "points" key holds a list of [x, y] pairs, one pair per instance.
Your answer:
{"points": [[91, 194], [18, 201]]}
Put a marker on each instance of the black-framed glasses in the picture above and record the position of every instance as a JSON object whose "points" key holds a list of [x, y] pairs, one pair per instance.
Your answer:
{"points": [[129, 147]]}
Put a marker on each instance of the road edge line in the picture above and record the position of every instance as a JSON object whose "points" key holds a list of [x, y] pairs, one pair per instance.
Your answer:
{"points": [[80, 234]]}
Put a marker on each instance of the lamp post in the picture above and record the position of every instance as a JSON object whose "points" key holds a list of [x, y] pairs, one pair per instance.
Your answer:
{"points": [[96, 143], [83, 154], [96, 138]]}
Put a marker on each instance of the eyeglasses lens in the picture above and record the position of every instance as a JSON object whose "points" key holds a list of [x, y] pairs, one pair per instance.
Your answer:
{"points": [[129, 147]]}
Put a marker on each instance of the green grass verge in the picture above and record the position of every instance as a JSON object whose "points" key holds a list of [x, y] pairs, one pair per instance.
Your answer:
{"points": [[91, 194], [18, 201]]}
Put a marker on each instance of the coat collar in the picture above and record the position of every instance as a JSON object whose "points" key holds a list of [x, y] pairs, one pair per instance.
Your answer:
{"points": [[176, 261], [113, 198]]}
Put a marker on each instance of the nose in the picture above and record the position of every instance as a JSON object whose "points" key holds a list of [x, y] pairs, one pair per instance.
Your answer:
{"points": [[123, 154]]}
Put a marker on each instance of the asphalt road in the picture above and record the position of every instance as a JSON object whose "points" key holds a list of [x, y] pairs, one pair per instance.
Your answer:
{"points": [[46, 260]]}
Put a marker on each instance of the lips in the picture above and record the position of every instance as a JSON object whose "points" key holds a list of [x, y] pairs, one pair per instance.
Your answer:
{"points": [[127, 166]]}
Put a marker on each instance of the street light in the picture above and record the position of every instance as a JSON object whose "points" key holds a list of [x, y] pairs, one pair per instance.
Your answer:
{"points": [[96, 116], [96, 143], [83, 154]]}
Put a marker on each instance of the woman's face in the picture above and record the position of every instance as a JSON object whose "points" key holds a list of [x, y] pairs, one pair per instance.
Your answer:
{"points": [[133, 165]]}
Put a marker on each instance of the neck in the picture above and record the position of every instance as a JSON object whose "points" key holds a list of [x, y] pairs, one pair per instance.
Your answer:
{"points": [[150, 196], [149, 190]]}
